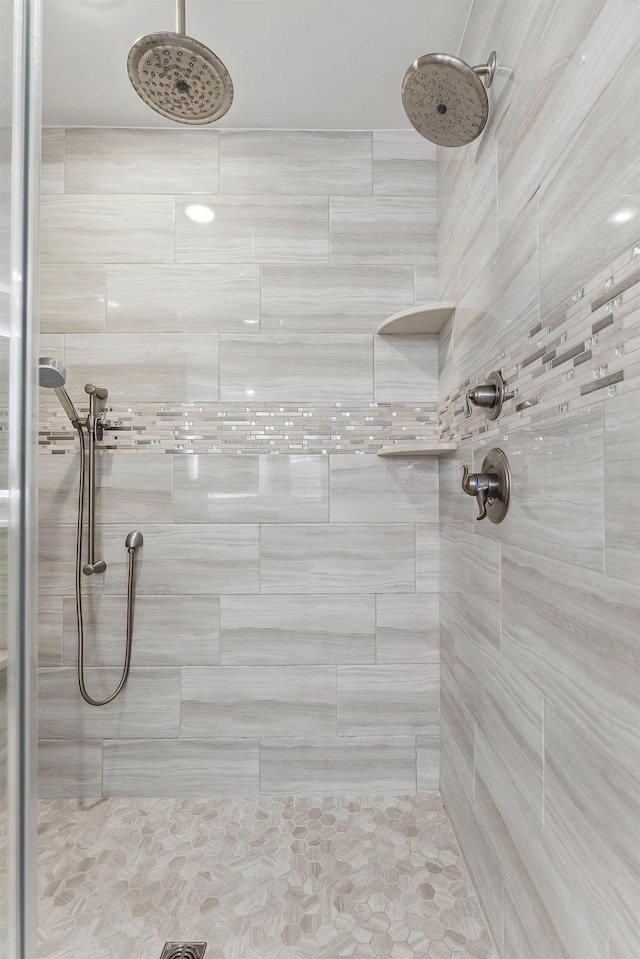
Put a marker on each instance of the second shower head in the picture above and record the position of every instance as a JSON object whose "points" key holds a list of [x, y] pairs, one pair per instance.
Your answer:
{"points": [[52, 376], [446, 100]]}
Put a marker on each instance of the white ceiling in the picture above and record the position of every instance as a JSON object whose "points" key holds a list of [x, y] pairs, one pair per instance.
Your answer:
{"points": [[295, 64]]}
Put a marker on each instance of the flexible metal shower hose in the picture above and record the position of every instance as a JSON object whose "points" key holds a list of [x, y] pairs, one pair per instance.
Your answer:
{"points": [[127, 661]]}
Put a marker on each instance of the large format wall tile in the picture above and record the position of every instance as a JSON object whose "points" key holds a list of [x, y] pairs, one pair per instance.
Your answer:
{"points": [[406, 369], [113, 229], [72, 298], [333, 299], [364, 488], [338, 765], [185, 298], [407, 628], [167, 630], [162, 367], [295, 161], [52, 162], [305, 369], [141, 161], [403, 163], [258, 701], [257, 229], [383, 230], [69, 768], [251, 489], [621, 514], [428, 556], [148, 706], [297, 630], [133, 489], [179, 560], [387, 700], [226, 767], [343, 559]]}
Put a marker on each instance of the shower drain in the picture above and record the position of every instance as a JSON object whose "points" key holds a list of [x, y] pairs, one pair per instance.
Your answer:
{"points": [[183, 950]]}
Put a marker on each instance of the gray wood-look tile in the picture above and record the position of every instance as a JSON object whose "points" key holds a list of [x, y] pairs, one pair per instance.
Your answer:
{"points": [[428, 761], [141, 161], [49, 628], [297, 630], [365, 488], [258, 701], [517, 944], [426, 284], [621, 515], [384, 230], [72, 298], [133, 488], [407, 628], [470, 580], [387, 700], [146, 367], [52, 161], [406, 369], [295, 161], [298, 367], [256, 229], [69, 768], [251, 489], [226, 767], [333, 299], [148, 707], [56, 558], [456, 732], [58, 488], [338, 765], [107, 229], [167, 631], [404, 163], [344, 558], [427, 557], [183, 298], [177, 560]]}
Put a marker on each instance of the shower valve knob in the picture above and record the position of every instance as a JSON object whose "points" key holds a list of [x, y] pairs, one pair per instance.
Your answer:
{"points": [[491, 487], [482, 486], [490, 395]]}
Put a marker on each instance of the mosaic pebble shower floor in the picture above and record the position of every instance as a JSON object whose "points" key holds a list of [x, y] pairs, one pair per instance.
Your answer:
{"points": [[256, 879]]}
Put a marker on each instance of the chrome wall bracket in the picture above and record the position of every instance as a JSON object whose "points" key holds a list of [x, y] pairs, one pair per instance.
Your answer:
{"points": [[95, 428], [491, 487], [490, 395]]}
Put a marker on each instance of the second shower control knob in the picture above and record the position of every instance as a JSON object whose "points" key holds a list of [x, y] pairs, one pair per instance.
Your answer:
{"points": [[490, 395], [491, 487]]}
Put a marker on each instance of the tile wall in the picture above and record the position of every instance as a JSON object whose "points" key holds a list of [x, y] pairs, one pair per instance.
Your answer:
{"points": [[538, 231], [286, 630]]}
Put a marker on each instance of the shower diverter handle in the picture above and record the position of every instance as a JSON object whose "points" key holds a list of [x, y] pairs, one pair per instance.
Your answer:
{"points": [[482, 486], [490, 395]]}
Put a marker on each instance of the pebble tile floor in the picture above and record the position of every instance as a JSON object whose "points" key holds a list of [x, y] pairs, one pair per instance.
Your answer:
{"points": [[255, 879]]}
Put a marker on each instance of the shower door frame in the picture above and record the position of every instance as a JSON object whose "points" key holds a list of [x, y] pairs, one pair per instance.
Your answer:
{"points": [[22, 448]]}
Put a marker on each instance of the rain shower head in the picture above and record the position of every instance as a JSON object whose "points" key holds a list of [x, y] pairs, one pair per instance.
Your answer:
{"points": [[179, 77], [445, 99], [52, 375]]}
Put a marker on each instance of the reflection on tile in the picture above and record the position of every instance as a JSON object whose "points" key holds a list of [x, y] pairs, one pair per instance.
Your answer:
{"points": [[407, 628], [258, 701], [428, 760], [113, 229], [145, 367], [295, 161], [297, 630], [428, 557], [403, 163], [342, 765], [251, 489], [302, 368], [52, 161], [69, 768], [306, 874], [177, 560], [387, 700], [366, 488], [621, 456], [184, 298], [167, 630], [149, 705], [226, 767], [333, 299], [72, 298], [341, 559], [257, 229], [383, 230], [406, 367], [141, 161]]}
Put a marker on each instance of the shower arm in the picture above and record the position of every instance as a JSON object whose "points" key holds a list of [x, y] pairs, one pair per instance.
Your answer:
{"points": [[181, 17], [95, 427]]}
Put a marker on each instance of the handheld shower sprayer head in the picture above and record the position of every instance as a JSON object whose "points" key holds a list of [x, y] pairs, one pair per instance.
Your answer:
{"points": [[52, 376]]}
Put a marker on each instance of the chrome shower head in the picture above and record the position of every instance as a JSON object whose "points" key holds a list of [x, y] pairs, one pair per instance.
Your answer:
{"points": [[52, 375], [179, 77], [445, 99]]}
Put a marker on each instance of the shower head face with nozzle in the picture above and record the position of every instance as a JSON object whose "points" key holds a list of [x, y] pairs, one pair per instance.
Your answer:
{"points": [[445, 100], [51, 373], [180, 78]]}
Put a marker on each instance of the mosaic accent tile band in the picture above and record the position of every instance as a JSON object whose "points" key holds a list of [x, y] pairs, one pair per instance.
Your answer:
{"points": [[586, 349], [256, 428]]}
